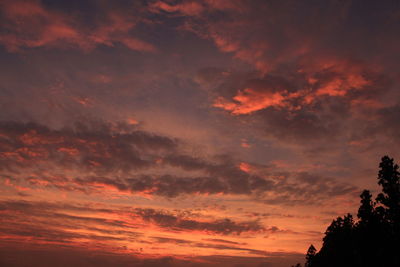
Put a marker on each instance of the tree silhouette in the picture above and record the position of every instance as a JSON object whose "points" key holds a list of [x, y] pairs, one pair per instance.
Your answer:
{"points": [[310, 255], [388, 178], [374, 239], [366, 211]]}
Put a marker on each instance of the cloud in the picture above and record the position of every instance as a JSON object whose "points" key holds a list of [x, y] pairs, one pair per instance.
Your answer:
{"points": [[118, 159], [48, 256], [176, 221], [222, 227], [312, 96], [322, 106], [32, 24], [191, 8], [307, 84], [49, 218], [109, 228], [386, 122], [184, 242], [294, 91], [248, 101], [217, 240], [101, 147], [282, 32]]}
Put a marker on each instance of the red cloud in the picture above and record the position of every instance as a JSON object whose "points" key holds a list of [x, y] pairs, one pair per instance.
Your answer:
{"points": [[30, 24]]}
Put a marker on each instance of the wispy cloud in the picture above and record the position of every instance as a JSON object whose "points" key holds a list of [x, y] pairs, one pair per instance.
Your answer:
{"points": [[31, 24]]}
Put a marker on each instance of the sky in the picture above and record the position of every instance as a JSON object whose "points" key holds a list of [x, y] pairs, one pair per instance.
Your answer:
{"points": [[190, 133]]}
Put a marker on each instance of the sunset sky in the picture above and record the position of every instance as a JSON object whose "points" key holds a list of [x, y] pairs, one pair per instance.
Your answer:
{"points": [[190, 133]]}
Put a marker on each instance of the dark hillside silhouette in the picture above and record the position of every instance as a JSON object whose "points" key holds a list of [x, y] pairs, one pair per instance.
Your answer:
{"points": [[373, 240]]}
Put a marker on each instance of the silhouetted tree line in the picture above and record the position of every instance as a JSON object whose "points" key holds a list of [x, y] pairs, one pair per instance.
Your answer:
{"points": [[371, 240]]}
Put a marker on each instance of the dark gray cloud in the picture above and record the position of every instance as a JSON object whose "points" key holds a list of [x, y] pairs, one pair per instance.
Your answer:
{"points": [[51, 219], [94, 146], [294, 189], [178, 223], [64, 256], [283, 31], [387, 123], [121, 157], [48, 256], [52, 222], [184, 242], [217, 240]]}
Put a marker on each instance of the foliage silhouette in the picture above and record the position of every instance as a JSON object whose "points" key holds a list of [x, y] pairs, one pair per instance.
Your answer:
{"points": [[310, 255], [373, 240]]}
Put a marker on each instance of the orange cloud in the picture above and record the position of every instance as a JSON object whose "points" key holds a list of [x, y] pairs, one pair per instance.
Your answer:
{"points": [[245, 144], [245, 167], [249, 100], [132, 121], [332, 78], [341, 86]]}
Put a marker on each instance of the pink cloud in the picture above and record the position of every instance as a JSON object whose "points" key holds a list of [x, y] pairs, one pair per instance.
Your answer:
{"points": [[139, 45]]}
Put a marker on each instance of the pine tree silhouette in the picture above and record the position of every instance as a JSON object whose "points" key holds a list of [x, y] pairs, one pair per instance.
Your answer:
{"points": [[310, 255], [388, 178], [374, 239], [366, 211]]}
